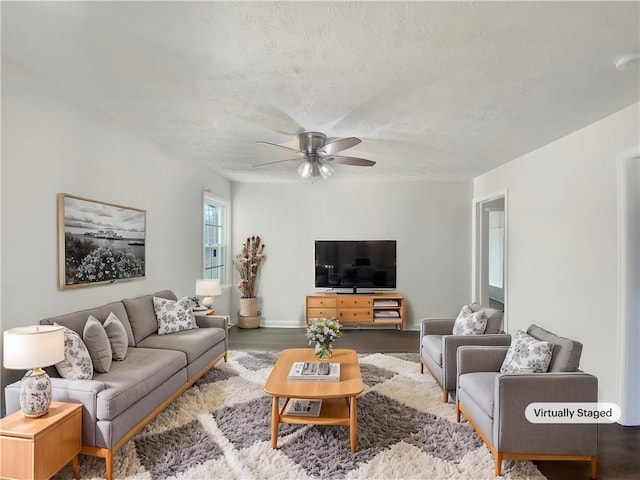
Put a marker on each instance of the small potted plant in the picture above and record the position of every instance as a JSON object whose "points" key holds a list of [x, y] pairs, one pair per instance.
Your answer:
{"points": [[322, 333]]}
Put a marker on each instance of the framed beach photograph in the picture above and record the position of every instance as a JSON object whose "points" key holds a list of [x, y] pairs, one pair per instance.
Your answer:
{"points": [[99, 242]]}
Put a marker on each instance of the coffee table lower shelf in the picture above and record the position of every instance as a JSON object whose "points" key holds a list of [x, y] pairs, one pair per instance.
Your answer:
{"points": [[334, 411]]}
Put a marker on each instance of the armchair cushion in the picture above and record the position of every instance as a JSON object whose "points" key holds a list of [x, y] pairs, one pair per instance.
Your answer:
{"points": [[527, 355], [494, 317], [566, 352], [472, 324]]}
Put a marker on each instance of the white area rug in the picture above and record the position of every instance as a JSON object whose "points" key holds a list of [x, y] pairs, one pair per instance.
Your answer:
{"points": [[220, 429]]}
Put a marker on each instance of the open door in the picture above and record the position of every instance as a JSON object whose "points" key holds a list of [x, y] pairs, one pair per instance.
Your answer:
{"points": [[490, 252]]}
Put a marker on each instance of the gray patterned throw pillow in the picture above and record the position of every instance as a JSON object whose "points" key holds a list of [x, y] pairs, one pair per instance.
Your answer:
{"points": [[527, 355], [174, 316], [77, 361], [470, 323]]}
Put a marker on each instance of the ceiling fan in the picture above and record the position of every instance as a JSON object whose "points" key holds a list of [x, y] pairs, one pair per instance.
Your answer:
{"points": [[317, 154]]}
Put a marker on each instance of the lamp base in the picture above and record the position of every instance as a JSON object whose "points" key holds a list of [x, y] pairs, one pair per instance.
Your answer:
{"points": [[35, 393], [207, 302]]}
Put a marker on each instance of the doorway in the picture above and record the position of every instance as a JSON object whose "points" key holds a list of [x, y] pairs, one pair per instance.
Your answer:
{"points": [[490, 252]]}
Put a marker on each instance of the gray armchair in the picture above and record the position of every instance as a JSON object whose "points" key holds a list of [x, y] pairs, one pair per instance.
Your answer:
{"points": [[438, 345], [494, 403]]}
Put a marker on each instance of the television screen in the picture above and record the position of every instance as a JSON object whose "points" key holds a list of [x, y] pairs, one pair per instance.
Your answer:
{"points": [[355, 264]]}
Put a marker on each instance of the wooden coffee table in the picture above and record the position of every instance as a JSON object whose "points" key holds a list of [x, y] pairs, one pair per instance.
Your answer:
{"points": [[338, 398]]}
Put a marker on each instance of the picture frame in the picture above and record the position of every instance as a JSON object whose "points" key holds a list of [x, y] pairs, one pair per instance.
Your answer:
{"points": [[99, 242]]}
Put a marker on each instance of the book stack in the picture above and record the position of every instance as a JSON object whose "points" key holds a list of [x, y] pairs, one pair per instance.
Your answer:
{"points": [[314, 372], [302, 407]]}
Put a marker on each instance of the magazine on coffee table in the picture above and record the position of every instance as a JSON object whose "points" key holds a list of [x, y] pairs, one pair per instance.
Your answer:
{"points": [[314, 372], [306, 408]]}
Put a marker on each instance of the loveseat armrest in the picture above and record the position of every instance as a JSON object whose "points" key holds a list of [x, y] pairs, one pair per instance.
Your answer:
{"points": [[84, 392], [451, 343], [514, 433], [215, 321], [476, 358], [436, 326]]}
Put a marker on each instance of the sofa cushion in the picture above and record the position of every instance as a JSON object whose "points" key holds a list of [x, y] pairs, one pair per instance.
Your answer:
{"points": [[494, 318], [117, 337], [192, 342], [432, 344], [527, 354], [76, 320], [77, 361], [141, 314], [472, 324], [97, 342], [174, 315], [132, 379], [566, 352], [481, 387]]}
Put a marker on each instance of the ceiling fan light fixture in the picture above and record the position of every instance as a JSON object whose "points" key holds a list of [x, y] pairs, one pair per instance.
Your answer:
{"points": [[305, 170], [325, 169]]}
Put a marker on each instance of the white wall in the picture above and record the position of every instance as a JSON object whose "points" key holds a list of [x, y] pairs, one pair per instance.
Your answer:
{"points": [[562, 237], [51, 143], [431, 222]]}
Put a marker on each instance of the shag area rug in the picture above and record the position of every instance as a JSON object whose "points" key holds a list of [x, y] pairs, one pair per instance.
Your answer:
{"points": [[220, 429]]}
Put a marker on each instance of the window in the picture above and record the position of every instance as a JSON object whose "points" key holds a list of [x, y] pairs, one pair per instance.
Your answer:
{"points": [[215, 238]]}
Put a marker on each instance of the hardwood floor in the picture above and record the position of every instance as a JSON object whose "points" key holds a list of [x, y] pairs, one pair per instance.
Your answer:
{"points": [[618, 446]]}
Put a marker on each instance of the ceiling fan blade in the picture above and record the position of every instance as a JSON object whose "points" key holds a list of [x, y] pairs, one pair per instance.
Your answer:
{"points": [[277, 161], [339, 145], [279, 146], [358, 162]]}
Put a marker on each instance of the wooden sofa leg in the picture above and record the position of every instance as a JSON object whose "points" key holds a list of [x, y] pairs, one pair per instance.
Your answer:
{"points": [[421, 367], [109, 461], [594, 467], [498, 459], [457, 412], [445, 396]]}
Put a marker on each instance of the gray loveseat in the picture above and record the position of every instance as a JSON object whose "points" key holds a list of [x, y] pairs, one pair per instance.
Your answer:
{"points": [[494, 403], [156, 370]]}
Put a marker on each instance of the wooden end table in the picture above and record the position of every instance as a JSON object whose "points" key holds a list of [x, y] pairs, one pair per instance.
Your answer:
{"points": [[36, 448], [338, 398]]}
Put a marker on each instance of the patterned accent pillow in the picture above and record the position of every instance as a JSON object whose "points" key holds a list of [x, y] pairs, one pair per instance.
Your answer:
{"points": [[97, 342], [174, 316], [470, 324], [527, 355], [117, 337], [77, 361]]}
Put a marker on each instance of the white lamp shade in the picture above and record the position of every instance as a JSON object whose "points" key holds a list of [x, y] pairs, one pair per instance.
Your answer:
{"points": [[35, 346], [208, 288]]}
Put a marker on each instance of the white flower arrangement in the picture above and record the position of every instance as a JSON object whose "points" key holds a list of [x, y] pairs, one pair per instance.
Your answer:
{"points": [[323, 331]]}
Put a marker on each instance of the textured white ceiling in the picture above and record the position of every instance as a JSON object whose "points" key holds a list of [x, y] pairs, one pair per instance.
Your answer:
{"points": [[436, 90]]}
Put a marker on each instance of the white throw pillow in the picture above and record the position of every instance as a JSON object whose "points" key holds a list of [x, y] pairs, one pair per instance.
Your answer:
{"points": [[527, 355], [117, 337], [470, 323], [97, 342], [174, 316], [77, 361]]}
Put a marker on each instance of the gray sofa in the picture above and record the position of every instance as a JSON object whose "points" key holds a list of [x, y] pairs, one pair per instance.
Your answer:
{"points": [[438, 345], [156, 370], [494, 403]]}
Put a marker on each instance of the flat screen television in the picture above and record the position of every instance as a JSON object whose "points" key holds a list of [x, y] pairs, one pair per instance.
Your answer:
{"points": [[355, 264]]}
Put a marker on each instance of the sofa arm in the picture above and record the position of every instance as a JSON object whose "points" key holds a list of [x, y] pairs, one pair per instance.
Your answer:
{"points": [[450, 345], [512, 431], [477, 358], [215, 321], [436, 326], [84, 392]]}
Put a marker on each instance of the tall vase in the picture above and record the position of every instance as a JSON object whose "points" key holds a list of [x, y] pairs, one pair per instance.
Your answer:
{"points": [[249, 307]]}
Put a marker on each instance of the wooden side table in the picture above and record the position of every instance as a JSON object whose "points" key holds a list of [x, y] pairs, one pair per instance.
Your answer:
{"points": [[36, 448]]}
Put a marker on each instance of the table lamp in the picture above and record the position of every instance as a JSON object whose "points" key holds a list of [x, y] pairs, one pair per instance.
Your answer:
{"points": [[208, 289], [31, 348]]}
